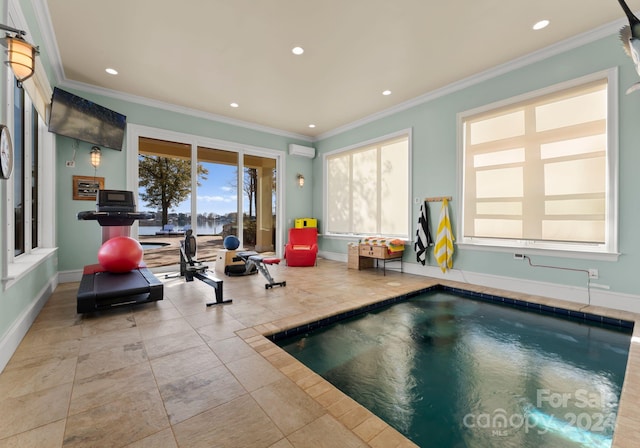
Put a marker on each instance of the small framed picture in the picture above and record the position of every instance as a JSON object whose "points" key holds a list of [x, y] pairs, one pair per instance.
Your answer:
{"points": [[85, 188]]}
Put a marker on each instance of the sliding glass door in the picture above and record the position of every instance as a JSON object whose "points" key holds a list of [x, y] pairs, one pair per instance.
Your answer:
{"points": [[259, 203], [235, 194]]}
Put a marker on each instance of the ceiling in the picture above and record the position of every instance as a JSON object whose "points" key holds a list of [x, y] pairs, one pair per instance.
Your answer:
{"points": [[205, 54]]}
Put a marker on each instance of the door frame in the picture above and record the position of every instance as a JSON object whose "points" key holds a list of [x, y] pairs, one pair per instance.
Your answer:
{"points": [[135, 131]]}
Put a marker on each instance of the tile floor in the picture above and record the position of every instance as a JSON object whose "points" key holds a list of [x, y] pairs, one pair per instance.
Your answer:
{"points": [[178, 374]]}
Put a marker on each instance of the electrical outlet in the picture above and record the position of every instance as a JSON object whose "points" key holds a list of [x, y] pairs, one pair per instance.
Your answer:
{"points": [[518, 256], [71, 164], [593, 273]]}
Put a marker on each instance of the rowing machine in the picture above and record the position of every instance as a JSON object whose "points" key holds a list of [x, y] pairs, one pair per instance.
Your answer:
{"points": [[191, 268]]}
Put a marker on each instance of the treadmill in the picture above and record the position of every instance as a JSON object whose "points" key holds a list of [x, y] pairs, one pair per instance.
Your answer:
{"points": [[101, 290]]}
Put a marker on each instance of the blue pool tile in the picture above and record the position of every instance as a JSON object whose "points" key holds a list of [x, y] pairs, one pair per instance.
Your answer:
{"points": [[610, 321], [546, 308], [562, 312]]}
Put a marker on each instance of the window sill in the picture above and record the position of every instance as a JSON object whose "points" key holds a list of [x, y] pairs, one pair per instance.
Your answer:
{"points": [[340, 236], [583, 255], [24, 264]]}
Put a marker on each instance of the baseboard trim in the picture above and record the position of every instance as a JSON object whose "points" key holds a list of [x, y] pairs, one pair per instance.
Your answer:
{"points": [[70, 276], [13, 336], [587, 296]]}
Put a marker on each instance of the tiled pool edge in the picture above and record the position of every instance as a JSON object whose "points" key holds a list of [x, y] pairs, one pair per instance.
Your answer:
{"points": [[546, 309], [352, 415], [484, 296], [378, 434]]}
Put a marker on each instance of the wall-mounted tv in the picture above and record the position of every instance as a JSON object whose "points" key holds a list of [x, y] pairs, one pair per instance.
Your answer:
{"points": [[76, 117]]}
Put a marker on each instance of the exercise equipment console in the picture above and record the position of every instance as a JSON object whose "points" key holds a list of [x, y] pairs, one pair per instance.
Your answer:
{"points": [[100, 289]]}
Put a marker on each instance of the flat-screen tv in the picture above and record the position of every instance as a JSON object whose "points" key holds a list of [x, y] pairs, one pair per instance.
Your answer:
{"points": [[76, 117]]}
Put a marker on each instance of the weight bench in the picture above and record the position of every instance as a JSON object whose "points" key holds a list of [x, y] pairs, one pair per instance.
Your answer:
{"points": [[191, 268], [260, 262]]}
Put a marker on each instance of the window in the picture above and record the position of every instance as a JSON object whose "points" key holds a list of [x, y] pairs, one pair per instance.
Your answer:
{"points": [[18, 169], [367, 188], [35, 185], [537, 171], [25, 175], [28, 235]]}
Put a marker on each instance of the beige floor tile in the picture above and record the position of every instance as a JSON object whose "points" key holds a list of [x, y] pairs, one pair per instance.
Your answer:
{"points": [[254, 372], [195, 394], [233, 387], [240, 423], [160, 328], [103, 361], [162, 439], [24, 380], [184, 363], [103, 322], [32, 410], [389, 437], [284, 443], [288, 406], [111, 386], [35, 354], [354, 417], [231, 349], [156, 314], [325, 432], [172, 343], [117, 423], [54, 319], [49, 337], [213, 330], [46, 436], [109, 340]]}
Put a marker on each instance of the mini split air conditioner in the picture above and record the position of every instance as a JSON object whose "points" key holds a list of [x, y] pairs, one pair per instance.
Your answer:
{"points": [[304, 151]]}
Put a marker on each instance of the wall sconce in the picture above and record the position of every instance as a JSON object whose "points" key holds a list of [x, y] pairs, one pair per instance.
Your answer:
{"points": [[22, 55], [300, 180], [96, 155]]}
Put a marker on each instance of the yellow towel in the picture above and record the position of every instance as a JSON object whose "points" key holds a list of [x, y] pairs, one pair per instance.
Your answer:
{"points": [[444, 239]]}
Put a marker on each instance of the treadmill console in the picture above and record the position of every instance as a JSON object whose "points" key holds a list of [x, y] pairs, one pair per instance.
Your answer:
{"points": [[115, 201], [114, 208]]}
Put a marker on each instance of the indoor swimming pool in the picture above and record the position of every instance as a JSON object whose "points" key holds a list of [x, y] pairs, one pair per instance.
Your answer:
{"points": [[448, 370]]}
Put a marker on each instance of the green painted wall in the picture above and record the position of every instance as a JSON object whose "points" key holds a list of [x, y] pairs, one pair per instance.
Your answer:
{"points": [[434, 164], [79, 241], [18, 300]]}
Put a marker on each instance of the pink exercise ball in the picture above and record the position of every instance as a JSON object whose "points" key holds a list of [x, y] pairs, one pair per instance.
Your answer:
{"points": [[120, 254]]}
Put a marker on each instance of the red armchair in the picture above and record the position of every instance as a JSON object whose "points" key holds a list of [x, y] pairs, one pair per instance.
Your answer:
{"points": [[302, 248]]}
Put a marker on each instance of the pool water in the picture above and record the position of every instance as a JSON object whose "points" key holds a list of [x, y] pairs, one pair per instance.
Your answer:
{"points": [[450, 371]]}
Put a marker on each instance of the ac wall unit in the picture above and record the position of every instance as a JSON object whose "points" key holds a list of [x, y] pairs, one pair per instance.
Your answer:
{"points": [[304, 151]]}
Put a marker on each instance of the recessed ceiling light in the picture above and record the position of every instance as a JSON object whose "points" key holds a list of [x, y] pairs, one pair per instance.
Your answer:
{"points": [[540, 25], [234, 105], [386, 92], [297, 50], [111, 71], [312, 125]]}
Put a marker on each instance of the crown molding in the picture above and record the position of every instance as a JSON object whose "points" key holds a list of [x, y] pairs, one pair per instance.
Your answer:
{"points": [[88, 88], [522, 61], [46, 27]]}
